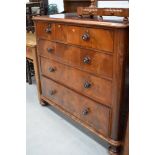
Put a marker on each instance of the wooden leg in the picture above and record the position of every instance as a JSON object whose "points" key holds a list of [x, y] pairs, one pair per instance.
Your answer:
{"points": [[113, 150], [27, 80]]}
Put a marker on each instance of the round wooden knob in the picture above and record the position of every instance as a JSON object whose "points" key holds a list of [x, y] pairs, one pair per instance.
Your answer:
{"points": [[52, 92], [48, 30], [86, 60], [50, 50], [87, 85], [85, 111], [51, 69], [85, 36]]}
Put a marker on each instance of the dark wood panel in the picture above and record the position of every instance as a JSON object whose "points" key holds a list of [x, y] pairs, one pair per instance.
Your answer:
{"points": [[119, 80], [91, 86], [71, 5], [92, 113]]}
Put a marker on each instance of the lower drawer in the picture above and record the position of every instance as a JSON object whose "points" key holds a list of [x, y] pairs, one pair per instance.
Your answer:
{"points": [[94, 87], [91, 113]]}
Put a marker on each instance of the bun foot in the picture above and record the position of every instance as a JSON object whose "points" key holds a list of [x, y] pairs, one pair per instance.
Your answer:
{"points": [[113, 150], [43, 103]]}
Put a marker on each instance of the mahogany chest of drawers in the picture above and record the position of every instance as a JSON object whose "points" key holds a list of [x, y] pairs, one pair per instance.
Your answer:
{"points": [[82, 70]]}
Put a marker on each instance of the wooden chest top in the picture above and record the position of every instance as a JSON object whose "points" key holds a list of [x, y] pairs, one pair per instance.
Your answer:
{"points": [[72, 18]]}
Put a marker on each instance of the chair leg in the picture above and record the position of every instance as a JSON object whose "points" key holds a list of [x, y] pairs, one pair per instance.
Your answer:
{"points": [[29, 73], [27, 80]]}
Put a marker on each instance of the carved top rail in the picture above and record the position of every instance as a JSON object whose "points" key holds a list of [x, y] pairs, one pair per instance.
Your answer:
{"points": [[92, 10]]}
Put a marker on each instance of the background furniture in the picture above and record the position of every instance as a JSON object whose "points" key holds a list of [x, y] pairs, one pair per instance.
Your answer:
{"points": [[31, 54], [71, 5], [83, 65], [29, 70], [52, 9], [42, 6]]}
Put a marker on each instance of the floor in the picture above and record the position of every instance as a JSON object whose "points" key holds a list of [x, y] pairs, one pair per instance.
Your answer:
{"points": [[49, 134]]}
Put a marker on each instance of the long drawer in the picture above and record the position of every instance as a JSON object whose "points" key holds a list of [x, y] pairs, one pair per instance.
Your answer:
{"points": [[87, 60], [96, 38], [91, 86], [93, 114]]}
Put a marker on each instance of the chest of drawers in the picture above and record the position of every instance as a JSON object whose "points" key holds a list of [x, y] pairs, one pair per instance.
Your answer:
{"points": [[82, 65]]}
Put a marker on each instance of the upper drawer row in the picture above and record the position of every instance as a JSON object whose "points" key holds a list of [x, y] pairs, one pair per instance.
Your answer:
{"points": [[100, 39]]}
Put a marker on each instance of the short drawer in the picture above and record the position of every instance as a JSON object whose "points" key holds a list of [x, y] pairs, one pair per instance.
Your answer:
{"points": [[100, 39], [45, 30], [94, 87], [88, 60], [91, 113], [46, 48]]}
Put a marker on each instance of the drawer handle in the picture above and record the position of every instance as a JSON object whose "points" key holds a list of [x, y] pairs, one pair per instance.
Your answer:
{"points": [[50, 50], [52, 92], [86, 60], [48, 30], [87, 85], [85, 36], [85, 111], [51, 69]]}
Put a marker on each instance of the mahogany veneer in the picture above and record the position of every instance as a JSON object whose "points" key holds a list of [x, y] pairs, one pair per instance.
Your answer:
{"points": [[82, 70]]}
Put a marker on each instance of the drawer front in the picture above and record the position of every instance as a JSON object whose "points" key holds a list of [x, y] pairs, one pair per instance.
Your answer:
{"points": [[100, 39], [91, 86], [46, 48], [60, 33], [93, 114], [87, 60], [45, 30]]}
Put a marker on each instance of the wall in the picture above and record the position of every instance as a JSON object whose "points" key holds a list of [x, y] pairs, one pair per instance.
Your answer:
{"points": [[110, 4]]}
